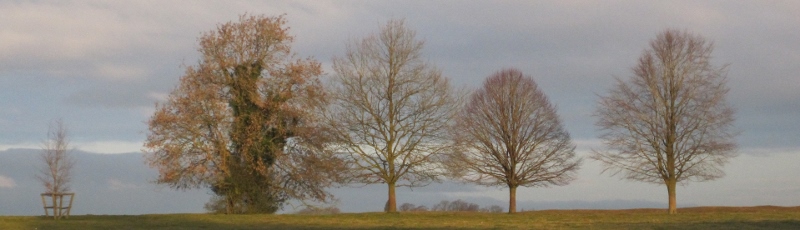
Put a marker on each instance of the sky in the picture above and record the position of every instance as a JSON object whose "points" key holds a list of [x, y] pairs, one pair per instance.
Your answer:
{"points": [[102, 65]]}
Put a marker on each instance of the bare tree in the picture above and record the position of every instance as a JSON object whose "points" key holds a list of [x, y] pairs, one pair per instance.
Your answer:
{"points": [[244, 123], [669, 123], [510, 135], [441, 206], [407, 207], [390, 110], [57, 171], [421, 208], [458, 206], [463, 206]]}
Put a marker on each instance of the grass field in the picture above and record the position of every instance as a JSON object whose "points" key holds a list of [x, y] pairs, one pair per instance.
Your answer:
{"points": [[767, 217]]}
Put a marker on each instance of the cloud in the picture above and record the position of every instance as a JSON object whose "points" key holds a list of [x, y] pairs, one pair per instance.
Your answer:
{"points": [[106, 147], [131, 95], [4, 147], [110, 146], [7, 182], [65, 35], [115, 184], [119, 71]]}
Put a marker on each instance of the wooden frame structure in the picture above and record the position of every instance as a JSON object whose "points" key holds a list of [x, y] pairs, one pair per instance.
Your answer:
{"points": [[57, 204]]}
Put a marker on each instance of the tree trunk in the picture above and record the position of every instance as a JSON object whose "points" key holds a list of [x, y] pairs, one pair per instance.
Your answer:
{"points": [[392, 202], [671, 184], [56, 209], [512, 199], [229, 207]]}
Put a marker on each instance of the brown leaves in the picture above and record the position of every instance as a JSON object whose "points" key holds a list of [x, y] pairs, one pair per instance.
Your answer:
{"points": [[234, 113]]}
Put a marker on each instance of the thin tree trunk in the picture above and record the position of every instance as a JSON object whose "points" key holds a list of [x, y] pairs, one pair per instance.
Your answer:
{"points": [[56, 209], [392, 205], [512, 199], [672, 201]]}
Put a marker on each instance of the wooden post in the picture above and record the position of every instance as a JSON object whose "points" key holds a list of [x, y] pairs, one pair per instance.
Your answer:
{"points": [[44, 203], [58, 204], [71, 198]]}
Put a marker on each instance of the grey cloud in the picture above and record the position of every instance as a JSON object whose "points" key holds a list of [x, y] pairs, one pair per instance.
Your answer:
{"points": [[132, 95], [123, 52]]}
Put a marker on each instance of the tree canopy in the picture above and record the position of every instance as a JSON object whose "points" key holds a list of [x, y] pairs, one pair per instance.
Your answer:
{"points": [[243, 121], [669, 123], [509, 134], [390, 110]]}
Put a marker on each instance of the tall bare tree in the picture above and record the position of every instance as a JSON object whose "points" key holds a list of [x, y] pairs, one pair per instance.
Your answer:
{"points": [[58, 163], [509, 134], [390, 110], [669, 123], [243, 121]]}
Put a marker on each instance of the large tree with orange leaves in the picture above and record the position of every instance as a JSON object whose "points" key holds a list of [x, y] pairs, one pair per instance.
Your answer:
{"points": [[242, 121]]}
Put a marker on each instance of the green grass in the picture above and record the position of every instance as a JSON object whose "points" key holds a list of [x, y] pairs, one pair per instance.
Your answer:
{"points": [[766, 217]]}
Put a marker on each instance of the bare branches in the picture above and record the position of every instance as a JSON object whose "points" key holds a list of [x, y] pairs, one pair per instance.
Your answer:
{"points": [[390, 109], [669, 122], [510, 135], [57, 171]]}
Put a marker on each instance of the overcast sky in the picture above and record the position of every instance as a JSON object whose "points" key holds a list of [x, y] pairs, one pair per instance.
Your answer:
{"points": [[101, 66]]}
